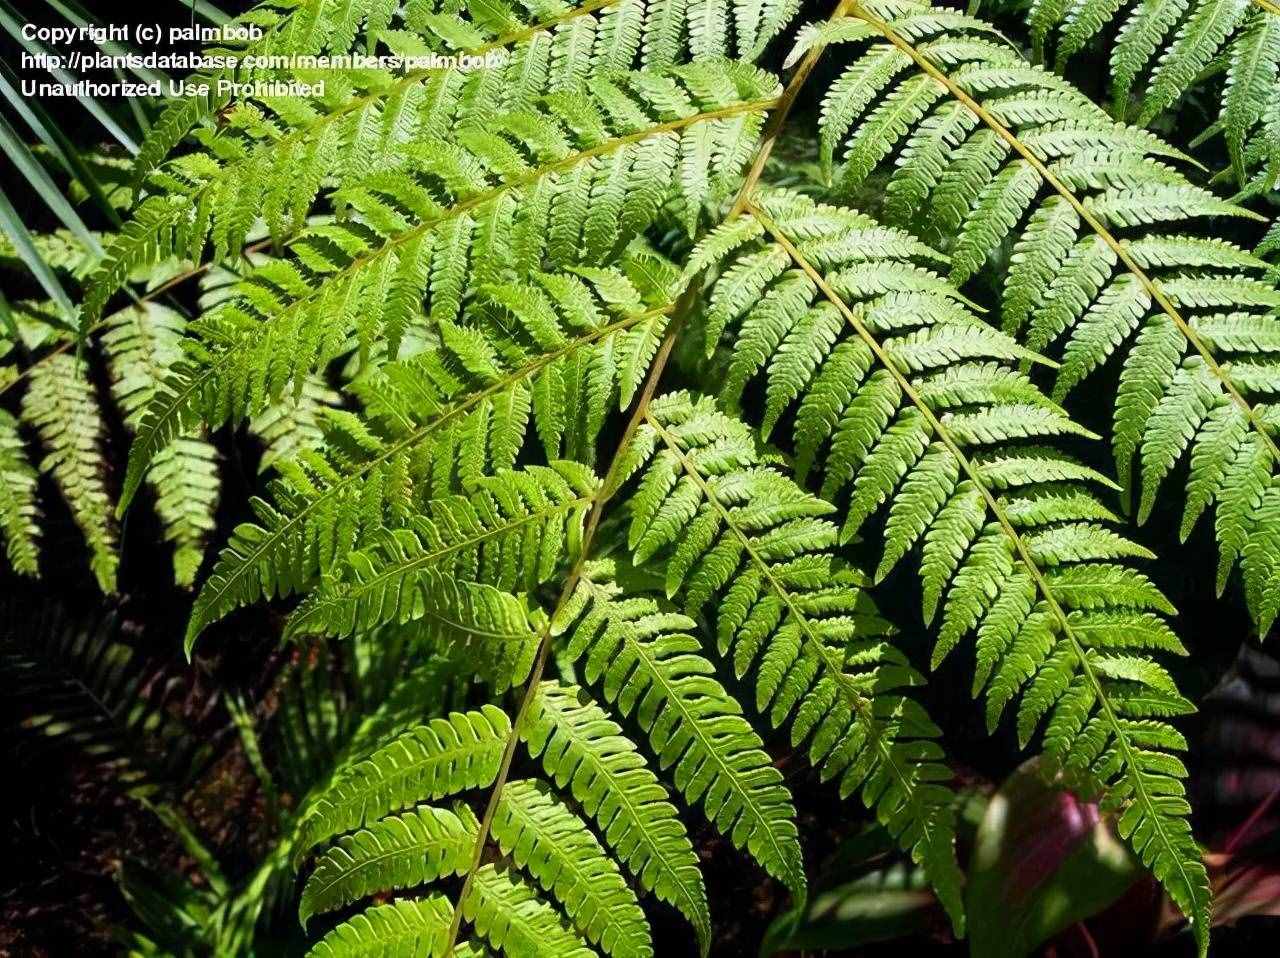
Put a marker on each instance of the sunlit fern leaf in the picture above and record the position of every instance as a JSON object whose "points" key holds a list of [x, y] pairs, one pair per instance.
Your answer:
{"points": [[443, 757], [19, 511], [936, 431], [584, 751], [270, 157], [1103, 258], [546, 839], [61, 405], [398, 852], [409, 926], [733, 531], [459, 211], [507, 912], [141, 343], [645, 661], [1165, 48], [514, 531], [433, 425]]}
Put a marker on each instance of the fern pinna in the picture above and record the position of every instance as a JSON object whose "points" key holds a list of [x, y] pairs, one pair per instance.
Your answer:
{"points": [[1162, 50], [487, 283], [1107, 255]]}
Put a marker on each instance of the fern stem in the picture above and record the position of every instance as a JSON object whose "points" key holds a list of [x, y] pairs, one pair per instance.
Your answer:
{"points": [[1120, 249], [1001, 517], [1269, 6], [779, 109]]}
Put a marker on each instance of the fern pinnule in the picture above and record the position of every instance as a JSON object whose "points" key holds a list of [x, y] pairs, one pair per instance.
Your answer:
{"points": [[937, 431], [426, 763], [394, 853], [417, 926], [508, 913], [1104, 258]]}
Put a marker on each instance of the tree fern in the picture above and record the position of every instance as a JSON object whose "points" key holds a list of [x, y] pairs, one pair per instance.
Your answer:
{"points": [[995, 146], [913, 408]]}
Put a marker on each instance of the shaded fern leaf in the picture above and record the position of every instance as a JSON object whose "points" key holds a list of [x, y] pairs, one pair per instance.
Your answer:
{"points": [[141, 343], [61, 405], [19, 511], [735, 532], [915, 410]]}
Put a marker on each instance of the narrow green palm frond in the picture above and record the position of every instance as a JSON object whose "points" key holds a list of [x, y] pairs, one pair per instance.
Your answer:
{"points": [[584, 750], [141, 343], [737, 533], [61, 405], [914, 410], [19, 511], [646, 661], [1163, 48], [435, 424], [547, 839], [569, 183], [1096, 263]]}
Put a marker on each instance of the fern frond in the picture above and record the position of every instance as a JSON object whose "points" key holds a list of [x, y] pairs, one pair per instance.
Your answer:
{"points": [[141, 343], [435, 424], [915, 418], [1077, 180], [462, 213], [545, 838], [645, 660], [19, 512], [61, 405], [743, 535], [582, 749]]}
